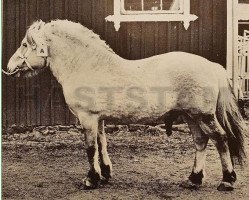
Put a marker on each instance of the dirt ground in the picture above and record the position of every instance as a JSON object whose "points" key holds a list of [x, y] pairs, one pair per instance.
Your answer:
{"points": [[43, 165]]}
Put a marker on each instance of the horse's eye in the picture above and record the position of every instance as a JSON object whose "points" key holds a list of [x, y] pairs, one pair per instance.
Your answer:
{"points": [[25, 45]]}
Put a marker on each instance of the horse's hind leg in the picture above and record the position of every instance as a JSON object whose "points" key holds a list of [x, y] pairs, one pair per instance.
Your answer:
{"points": [[90, 125], [200, 141], [210, 125], [105, 162]]}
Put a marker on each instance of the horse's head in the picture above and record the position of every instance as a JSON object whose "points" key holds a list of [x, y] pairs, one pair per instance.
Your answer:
{"points": [[32, 55]]}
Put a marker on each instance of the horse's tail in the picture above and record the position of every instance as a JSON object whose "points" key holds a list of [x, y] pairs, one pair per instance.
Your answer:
{"points": [[230, 118]]}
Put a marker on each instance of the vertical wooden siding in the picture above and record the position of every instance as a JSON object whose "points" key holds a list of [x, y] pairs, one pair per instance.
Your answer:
{"points": [[39, 101]]}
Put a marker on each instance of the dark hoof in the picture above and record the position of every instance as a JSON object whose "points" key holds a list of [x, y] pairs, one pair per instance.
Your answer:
{"points": [[106, 173], [104, 180], [189, 185], [89, 185], [225, 186]]}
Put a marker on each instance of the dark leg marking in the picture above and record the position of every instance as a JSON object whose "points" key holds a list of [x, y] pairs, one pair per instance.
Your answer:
{"points": [[194, 181], [229, 177], [215, 131], [94, 177], [90, 154], [105, 169], [228, 180], [196, 178], [92, 174]]}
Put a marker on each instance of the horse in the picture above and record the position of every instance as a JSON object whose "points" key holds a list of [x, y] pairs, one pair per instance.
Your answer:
{"points": [[100, 85]]}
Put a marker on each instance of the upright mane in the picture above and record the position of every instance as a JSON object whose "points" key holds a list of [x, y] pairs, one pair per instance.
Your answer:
{"points": [[77, 33]]}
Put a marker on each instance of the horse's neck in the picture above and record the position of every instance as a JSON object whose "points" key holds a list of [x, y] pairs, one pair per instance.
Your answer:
{"points": [[63, 64]]}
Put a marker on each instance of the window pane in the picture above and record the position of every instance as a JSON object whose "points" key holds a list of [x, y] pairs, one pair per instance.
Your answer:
{"points": [[171, 5], [152, 5], [243, 1], [132, 5], [243, 26]]}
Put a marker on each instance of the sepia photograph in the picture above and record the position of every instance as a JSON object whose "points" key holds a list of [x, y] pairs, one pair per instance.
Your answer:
{"points": [[125, 99]]}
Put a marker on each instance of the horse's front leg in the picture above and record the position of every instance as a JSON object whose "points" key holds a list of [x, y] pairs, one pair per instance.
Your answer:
{"points": [[105, 162], [90, 125]]}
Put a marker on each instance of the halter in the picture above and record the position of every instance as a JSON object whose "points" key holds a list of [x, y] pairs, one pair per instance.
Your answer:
{"points": [[41, 49], [43, 53], [25, 56]]}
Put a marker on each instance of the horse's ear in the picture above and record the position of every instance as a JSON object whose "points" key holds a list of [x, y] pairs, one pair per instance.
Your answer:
{"points": [[37, 25], [33, 31], [40, 24], [30, 39]]}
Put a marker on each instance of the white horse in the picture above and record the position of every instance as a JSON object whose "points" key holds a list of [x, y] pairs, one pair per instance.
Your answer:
{"points": [[99, 85]]}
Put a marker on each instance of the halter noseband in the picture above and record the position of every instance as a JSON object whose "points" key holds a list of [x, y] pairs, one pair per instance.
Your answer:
{"points": [[26, 54]]}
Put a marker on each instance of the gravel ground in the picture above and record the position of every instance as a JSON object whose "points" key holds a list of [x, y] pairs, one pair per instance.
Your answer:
{"points": [[49, 163]]}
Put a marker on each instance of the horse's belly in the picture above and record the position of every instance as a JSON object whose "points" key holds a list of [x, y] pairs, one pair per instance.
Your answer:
{"points": [[143, 108], [123, 105]]}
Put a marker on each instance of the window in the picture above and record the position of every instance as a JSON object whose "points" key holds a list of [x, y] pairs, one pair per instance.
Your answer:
{"points": [[243, 1], [151, 10], [151, 6]]}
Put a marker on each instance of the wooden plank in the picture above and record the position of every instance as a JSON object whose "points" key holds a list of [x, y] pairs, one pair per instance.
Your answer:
{"points": [[219, 32], [10, 86], [72, 8], [200, 29], [58, 11], [135, 41], [86, 15], [4, 65], [206, 26], [184, 38], [17, 81], [172, 37], [156, 38], [229, 32], [39, 78], [149, 40], [194, 27], [53, 111], [45, 77], [34, 92], [66, 8], [235, 50], [58, 104], [142, 41], [162, 37], [100, 18], [110, 33]]}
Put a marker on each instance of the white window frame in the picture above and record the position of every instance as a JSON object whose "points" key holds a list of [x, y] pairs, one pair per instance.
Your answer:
{"points": [[235, 13], [122, 15]]}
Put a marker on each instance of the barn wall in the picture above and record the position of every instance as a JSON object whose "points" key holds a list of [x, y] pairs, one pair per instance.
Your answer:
{"points": [[39, 101]]}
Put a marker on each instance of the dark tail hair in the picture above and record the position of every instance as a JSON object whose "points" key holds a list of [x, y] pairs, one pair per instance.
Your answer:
{"points": [[231, 120]]}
